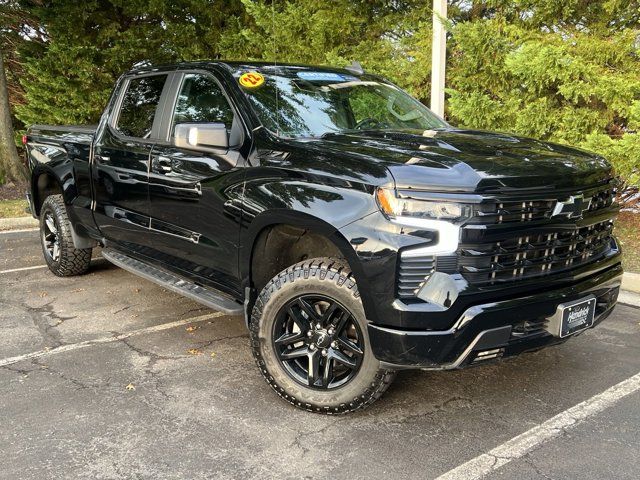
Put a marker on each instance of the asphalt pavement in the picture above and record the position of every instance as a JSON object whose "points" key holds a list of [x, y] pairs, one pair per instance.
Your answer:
{"points": [[107, 376]]}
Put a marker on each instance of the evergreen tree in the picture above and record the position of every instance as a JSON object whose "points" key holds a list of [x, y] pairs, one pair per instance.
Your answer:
{"points": [[562, 71], [91, 43], [14, 28]]}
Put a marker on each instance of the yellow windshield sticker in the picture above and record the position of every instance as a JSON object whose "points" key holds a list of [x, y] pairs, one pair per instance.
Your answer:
{"points": [[251, 80]]}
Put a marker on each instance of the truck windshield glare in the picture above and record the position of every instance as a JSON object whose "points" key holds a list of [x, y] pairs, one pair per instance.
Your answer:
{"points": [[294, 103]]}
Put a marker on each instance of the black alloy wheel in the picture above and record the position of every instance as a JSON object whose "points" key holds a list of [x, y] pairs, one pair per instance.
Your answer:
{"points": [[318, 341], [309, 338], [60, 254], [50, 238]]}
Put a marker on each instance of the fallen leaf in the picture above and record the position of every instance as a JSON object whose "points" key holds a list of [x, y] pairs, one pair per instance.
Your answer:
{"points": [[191, 328], [131, 386], [194, 351], [213, 354], [43, 294], [78, 290]]}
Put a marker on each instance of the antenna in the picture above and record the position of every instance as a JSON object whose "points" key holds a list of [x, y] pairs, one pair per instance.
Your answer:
{"points": [[355, 67]]}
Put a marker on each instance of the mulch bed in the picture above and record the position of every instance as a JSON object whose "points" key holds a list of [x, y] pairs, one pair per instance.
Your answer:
{"points": [[13, 191]]}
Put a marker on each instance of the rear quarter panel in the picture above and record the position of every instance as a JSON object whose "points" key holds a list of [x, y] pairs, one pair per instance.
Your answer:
{"points": [[63, 153]]}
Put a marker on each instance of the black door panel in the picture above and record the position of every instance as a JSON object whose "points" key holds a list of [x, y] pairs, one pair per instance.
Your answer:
{"points": [[120, 166], [120, 172], [190, 191], [190, 227]]}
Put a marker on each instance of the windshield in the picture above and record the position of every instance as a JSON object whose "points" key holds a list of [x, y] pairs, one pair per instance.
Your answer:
{"points": [[315, 103]]}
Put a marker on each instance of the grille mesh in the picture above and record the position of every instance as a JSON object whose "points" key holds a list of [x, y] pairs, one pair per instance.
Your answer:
{"points": [[509, 240], [525, 256]]}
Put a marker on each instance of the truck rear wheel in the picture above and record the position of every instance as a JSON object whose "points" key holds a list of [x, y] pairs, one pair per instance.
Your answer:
{"points": [[61, 256], [309, 339]]}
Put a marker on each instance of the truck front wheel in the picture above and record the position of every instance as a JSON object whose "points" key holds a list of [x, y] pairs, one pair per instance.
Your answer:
{"points": [[309, 338], [61, 256]]}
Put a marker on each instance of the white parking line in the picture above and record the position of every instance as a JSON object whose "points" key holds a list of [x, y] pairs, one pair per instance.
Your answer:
{"points": [[113, 338], [519, 446], [22, 269]]}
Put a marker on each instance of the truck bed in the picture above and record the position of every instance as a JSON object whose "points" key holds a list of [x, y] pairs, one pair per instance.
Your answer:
{"points": [[62, 133]]}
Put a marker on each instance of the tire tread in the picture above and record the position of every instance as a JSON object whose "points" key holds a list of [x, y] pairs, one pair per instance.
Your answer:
{"points": [[324, 269], [73, 261]]}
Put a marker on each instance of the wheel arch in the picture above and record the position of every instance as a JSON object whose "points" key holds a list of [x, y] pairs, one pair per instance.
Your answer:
{"points": [[44, 182], [320, 237]]}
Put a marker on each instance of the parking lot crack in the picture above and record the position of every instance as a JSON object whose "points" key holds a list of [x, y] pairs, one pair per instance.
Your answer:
{"points": [[46, 320], [216, 340], [152, 359], [297, 441], [74, 381], [191, 311], [122, 309], [431, 410], [529, 461], [20, 371]]}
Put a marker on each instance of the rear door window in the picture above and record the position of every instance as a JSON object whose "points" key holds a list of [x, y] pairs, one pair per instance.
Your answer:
{"points": [[139, 106]]}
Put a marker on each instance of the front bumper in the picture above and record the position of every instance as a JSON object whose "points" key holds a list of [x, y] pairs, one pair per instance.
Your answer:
{"points": [[491, 330]]}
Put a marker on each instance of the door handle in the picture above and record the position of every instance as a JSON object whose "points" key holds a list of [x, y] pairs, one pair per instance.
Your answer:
{"points": [[161, 164]]}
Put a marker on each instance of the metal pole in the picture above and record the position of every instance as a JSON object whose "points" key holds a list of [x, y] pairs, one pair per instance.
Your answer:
{"points": [[438, 57]]}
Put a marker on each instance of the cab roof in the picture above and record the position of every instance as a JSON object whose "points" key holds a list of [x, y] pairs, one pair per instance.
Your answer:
{"points": [[236, 66]]}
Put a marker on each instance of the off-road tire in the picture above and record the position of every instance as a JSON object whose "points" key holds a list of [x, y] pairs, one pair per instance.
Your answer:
{"points": [[70, 260], [332, 278]]}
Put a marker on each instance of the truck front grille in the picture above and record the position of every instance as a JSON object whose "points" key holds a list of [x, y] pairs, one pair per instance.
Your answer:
{"points": [[530, 255], [527, 210], [513, 238]]}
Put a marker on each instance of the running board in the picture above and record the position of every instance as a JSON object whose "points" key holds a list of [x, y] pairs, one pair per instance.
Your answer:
{"points": [[207, 296]]}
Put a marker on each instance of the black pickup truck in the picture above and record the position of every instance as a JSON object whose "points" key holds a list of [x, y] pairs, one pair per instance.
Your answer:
{"points": [[357, 232]]}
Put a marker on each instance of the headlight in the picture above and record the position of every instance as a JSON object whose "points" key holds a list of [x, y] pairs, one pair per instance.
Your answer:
{"points": [[393, 206]]}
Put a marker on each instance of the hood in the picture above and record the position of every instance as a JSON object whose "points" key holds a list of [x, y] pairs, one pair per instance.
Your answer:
{"points": [[468, 160]]}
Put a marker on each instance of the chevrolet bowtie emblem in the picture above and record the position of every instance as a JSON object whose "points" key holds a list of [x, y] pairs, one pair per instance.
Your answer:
{"points": [[572, 208]]}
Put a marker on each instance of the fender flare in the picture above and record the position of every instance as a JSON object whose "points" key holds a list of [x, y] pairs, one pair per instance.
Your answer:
{"points": [[79, 241], [300, 220]]}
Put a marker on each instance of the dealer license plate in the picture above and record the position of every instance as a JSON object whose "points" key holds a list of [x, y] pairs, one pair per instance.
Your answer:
{"points": [[576, 316]]}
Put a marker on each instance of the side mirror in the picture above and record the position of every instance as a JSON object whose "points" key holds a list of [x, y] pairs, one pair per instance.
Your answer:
{"points": [[201, 136]]}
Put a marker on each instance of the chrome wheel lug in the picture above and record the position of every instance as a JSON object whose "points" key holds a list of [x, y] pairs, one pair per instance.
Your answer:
{"points": [[324, 352], [312, 346], [334, 344], [309, 333], [318, 326], [330, 331]]}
